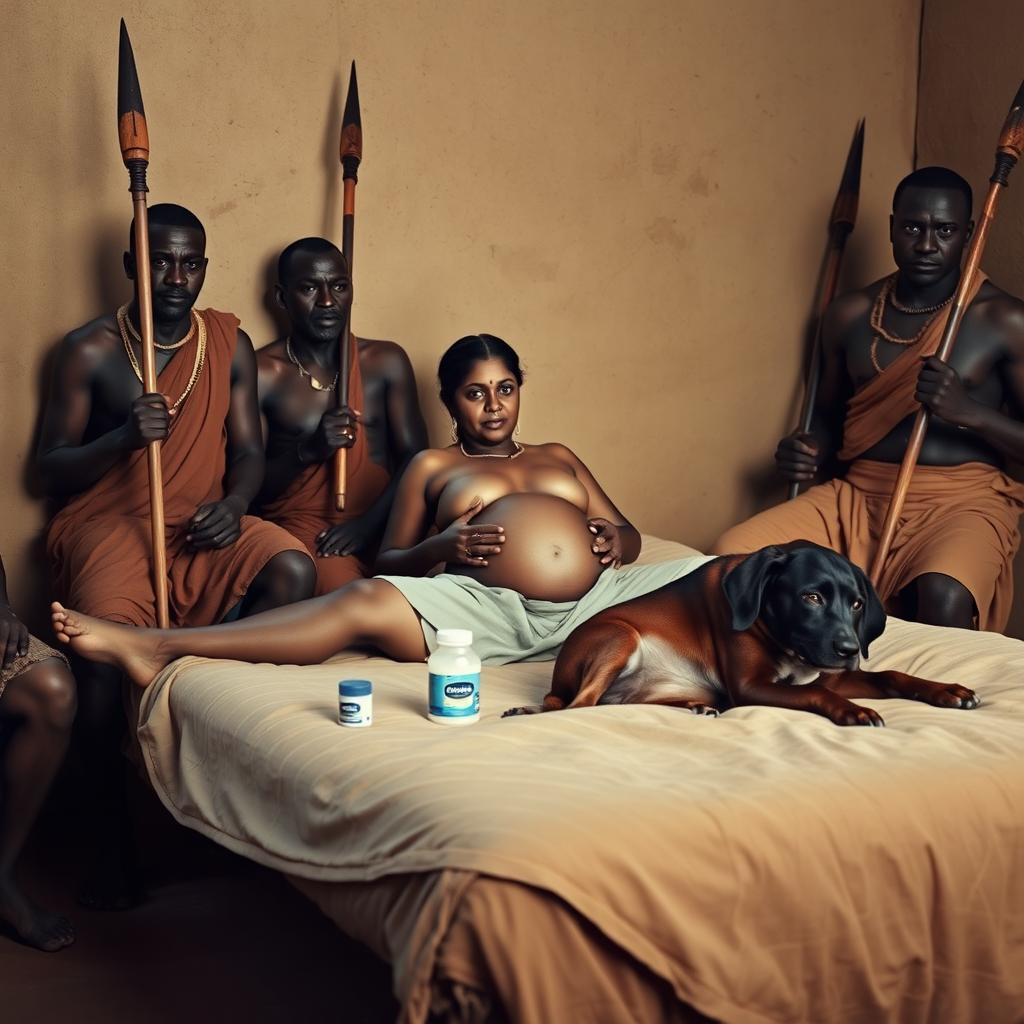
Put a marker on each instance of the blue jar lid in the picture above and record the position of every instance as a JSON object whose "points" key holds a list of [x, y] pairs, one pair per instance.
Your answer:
{"points": [[355, 688]]}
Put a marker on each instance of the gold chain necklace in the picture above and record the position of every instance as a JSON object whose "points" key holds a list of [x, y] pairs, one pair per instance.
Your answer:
{"points": [[156, 344], [303, 372], [490, 455], [875, 320], [197, 367]]}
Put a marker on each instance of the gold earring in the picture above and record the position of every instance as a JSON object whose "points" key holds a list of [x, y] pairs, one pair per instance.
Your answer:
{"points": [[516, 431], [455, 431]]}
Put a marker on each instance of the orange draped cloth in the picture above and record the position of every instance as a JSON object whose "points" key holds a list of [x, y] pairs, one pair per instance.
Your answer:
{"points": [[960, 521], [307, 505], [886, 400], [99, 542]]}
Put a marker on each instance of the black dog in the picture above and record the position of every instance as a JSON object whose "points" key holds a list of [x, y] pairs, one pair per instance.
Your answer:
{"points": [[785, 627]]}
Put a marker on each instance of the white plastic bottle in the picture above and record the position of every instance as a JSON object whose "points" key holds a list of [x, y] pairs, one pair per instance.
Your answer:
{"points": [[454, 688], [355, 703]]}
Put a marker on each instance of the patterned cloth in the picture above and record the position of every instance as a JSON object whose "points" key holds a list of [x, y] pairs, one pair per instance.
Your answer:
{"points": [[37, 652]]}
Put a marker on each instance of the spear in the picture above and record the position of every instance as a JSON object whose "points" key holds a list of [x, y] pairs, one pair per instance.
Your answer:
{"points": [[351, 153], [1008, 150], [840, 224], [133, 136]]}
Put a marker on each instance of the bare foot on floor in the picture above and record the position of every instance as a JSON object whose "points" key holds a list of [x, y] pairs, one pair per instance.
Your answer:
{"points": [[134, 651], [43, 929]]}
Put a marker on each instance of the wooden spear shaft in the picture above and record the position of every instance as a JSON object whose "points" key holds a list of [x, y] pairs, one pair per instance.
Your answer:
{"points": [[841, 223], [351, 153], [1011, 143], [133, 136]]}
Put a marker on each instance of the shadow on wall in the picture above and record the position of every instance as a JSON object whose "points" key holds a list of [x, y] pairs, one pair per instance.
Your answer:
{"points": [[270, 303], [332, 162], [761, 485], [331, 222]]}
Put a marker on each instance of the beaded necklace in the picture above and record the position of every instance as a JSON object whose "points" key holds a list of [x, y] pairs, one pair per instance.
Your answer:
{"points": [[878, 311], [491, 455]]}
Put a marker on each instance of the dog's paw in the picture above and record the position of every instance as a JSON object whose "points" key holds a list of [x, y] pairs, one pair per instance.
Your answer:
{"points": [[697, 708], [854, 715], [527, 709], [951, 695]]}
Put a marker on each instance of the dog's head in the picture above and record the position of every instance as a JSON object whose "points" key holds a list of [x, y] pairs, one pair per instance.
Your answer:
{"points": [[817, 605]]}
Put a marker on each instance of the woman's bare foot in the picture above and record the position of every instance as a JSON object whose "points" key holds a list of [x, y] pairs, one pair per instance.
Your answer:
{"points": [[136, 652], [43, 929]]}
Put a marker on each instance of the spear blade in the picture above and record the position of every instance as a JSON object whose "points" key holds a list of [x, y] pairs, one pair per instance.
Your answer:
{"points": [[840, 225], [844, 210], [132, 132], [351, 146], [1011, 140]]}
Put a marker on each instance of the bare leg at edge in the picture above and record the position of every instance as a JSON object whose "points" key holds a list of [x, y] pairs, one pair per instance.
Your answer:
{"points": [[366, 613]]}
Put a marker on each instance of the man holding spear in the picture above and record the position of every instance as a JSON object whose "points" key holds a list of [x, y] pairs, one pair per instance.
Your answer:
{"points": [[340, 413], [92, 457], [951, 560], [380, 426]]}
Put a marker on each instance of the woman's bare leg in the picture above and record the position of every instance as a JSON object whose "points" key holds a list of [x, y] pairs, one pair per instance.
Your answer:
{"points": [[367, 613]]}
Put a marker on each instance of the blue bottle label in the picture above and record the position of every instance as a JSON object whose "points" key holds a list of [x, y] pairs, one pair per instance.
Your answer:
{"points": [[454, 696]]}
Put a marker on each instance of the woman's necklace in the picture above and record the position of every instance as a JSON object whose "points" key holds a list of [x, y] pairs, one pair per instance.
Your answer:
{"points": [[156, 344], [878, 311], [490, 455], [303, 372], [197, 367]]}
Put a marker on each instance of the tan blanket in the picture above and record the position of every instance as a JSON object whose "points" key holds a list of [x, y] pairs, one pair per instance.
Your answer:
{"points": [[768, 865]]}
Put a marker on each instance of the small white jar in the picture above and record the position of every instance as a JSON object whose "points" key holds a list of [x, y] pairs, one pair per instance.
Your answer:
{"points": [[355, 703], [454, 688]]}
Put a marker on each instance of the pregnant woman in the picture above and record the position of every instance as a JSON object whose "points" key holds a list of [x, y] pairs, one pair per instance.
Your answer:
{"points": [[529, 542]]}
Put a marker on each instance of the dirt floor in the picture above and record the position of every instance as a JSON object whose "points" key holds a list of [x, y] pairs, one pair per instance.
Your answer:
{"points": [[217, 939]]}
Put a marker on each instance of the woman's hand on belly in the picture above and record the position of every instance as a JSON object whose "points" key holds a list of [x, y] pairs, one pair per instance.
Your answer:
{"points": [[464, 544], [607, 541]]}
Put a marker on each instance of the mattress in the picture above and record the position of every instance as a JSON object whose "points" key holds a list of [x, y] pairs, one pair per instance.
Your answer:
{"points": [[766, 865]]}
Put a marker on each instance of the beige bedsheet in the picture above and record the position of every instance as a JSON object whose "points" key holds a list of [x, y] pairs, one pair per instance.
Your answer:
{"points": [[768, 865]]}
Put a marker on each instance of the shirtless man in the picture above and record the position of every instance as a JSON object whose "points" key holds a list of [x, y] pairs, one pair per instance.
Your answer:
{"points": [[92, 458], [304, 427], [951, 559]]}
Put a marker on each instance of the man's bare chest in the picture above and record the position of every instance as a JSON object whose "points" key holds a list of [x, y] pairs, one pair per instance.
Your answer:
{"points": [[976, 355], [116, 384], [298, 408]]}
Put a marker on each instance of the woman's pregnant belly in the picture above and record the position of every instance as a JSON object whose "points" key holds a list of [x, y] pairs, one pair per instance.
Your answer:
{"points": [[547, 552]]}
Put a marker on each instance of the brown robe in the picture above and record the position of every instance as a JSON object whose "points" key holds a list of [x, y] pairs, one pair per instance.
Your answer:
{"points": [[307, 505], [99, 542], [960, 521]]}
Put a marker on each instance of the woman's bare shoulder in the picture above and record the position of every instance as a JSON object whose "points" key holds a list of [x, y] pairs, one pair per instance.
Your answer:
{"points": [[431, 461]]}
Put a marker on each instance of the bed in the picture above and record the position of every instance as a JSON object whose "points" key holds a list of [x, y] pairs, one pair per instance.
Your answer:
{"points": [[630, 863]]}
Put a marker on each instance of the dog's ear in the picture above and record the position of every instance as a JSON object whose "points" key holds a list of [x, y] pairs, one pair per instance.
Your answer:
{"points": [[872, 618], [744, 585]]}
